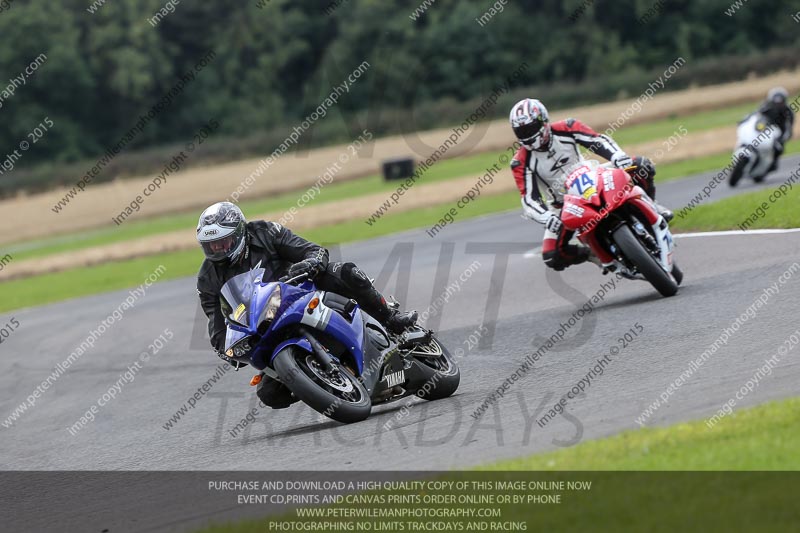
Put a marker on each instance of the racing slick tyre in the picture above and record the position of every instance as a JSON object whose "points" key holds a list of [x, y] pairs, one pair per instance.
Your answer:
{"points": [[444, 374], [677, 273], [738, 171], [645, 263]]}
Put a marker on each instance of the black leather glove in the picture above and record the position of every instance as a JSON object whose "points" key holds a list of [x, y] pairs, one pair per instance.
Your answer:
{"points": [[235, 364], [645, 168], [312, 267]]}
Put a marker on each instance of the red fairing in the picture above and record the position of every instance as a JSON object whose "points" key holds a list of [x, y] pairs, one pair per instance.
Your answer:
{"points": [[586, 187], [646, 207], [623, 189], [578, 214], [581, 199], [590, 240]]}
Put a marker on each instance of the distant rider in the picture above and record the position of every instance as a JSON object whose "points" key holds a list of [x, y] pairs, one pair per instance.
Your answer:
{"points": [[233, 246], [547, 151], [777, 111]]}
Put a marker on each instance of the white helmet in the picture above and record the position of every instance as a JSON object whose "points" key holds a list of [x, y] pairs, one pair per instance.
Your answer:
{"points": [[222, 232], [531, 124]]}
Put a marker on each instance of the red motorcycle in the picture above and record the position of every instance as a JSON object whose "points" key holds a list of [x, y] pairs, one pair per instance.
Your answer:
{"points": [[618, 221]]}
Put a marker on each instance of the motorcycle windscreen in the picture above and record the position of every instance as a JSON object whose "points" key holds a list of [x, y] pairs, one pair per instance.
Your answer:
{"points": [[232, 337], [237, 294], [584, 186]]}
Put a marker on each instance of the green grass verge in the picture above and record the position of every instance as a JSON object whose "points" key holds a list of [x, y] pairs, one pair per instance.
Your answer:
{"points": [[759, 438], [753, 209], [727, 214], [654, 479], [444, 170], [58, 286]]}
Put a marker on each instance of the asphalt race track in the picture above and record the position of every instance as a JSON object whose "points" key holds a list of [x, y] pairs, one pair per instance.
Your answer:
{"points": [[724, 275]]}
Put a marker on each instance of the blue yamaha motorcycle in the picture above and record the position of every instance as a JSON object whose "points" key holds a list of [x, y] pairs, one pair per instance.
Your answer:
{"points": [[332, 355]]}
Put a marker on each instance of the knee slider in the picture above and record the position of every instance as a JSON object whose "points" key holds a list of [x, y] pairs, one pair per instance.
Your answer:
{"points": [[574, 254], [274, 395], [553, 260]]}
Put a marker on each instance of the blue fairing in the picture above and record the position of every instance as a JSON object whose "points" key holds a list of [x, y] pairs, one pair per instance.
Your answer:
{"points": [[259, 355], [351, 334], [248, 291]]}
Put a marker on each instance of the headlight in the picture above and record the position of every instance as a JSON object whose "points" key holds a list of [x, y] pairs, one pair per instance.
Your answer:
{"points": [[241, 348], [271, 309]]}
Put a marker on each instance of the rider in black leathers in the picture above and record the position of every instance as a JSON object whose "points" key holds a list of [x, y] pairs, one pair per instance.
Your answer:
{"points": [[233, 246], [777, 111]]}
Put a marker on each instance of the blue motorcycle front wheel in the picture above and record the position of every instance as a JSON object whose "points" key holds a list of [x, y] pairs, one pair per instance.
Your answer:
{"points": [[338, 394]]}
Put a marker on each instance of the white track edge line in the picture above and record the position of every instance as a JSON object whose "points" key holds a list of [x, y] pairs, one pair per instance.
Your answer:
{"points": [[734, 232]]}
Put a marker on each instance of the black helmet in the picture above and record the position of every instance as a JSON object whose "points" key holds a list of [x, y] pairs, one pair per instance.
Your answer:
{"points": [[778, 97], [222, 232]]}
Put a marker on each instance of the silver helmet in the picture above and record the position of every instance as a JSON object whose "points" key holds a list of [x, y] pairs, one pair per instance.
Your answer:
{"points": [[531, 124], [222, 232]]}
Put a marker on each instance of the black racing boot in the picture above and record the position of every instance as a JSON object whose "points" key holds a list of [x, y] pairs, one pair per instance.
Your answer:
{"points": [[664, 212], [388, 315], [774, 166], [275, 394], [578, 254], [399, 322], [373, 302]]}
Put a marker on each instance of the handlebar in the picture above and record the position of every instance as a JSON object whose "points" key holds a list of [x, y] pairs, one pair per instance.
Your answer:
{"points": [[300, 277], [609, 164]]}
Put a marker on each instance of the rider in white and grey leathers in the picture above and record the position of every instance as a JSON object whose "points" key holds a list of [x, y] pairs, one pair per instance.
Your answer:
{"points": [[540, 165]]}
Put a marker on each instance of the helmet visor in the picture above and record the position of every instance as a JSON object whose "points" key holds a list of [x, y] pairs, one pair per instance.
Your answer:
{"points": [[527, 133], [779, 100], [219, 249]]}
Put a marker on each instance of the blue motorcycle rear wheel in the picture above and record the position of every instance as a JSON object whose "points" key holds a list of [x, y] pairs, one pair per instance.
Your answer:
{"points": [[444, 375]]}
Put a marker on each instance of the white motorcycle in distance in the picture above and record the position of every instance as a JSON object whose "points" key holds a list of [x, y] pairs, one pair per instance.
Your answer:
{"points": [[754, 153]]}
